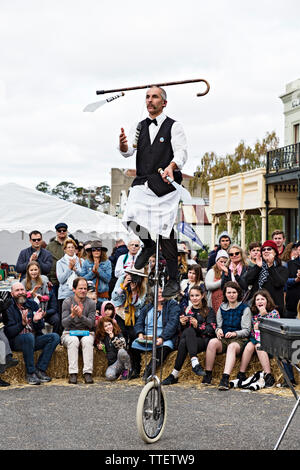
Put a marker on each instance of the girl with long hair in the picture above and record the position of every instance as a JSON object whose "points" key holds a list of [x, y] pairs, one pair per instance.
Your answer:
{"points": [[195, 278], [213, 281], [262, 307], [36, 284], [197, 325], [108, 338]]}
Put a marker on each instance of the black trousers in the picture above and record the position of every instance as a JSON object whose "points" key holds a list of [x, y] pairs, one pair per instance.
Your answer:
{"points": [[168, 247], [190, 344], [161, 355]]}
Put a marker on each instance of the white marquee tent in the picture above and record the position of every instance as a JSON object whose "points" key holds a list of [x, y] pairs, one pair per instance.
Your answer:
{"points": [[23, 210]]}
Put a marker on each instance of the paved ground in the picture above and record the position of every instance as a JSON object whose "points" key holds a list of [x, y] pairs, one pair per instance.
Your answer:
{"points": [[102, 416]]}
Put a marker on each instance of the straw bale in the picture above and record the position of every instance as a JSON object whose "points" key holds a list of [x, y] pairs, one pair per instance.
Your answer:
{"points": [[58, 367]]}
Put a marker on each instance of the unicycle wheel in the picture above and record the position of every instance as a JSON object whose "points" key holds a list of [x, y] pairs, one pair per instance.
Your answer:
{"points": [[151, 412]]}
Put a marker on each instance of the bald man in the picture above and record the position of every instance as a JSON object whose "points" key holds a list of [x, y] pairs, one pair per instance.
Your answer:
{"points": [[24, 331]]}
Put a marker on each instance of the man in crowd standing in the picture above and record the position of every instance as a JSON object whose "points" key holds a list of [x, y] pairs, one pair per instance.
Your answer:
{"points": [[152, 205], [56, 248], [34, 253], [78, 321], [224, 244], [279, 238], [23, 329]]}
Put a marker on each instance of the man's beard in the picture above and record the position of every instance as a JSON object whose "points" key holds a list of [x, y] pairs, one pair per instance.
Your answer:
{"points": [[21, 299]]}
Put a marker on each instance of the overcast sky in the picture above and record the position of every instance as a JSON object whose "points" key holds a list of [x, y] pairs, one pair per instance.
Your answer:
{"points": [[55, 54]]}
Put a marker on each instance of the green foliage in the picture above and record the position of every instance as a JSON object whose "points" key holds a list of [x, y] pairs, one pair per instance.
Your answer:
{"points": [[95, 198], [243, 159]]}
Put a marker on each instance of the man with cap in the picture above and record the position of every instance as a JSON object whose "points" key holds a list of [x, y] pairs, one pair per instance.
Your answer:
{"points": [[293, 285], [269, 274], [56, 248], [224, 244]]}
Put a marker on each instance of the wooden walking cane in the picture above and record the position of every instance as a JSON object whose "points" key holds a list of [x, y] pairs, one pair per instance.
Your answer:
{"points": [[181, 82]]}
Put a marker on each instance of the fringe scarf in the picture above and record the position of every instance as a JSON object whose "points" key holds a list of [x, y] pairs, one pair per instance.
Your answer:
{"points": [[129, 309]]}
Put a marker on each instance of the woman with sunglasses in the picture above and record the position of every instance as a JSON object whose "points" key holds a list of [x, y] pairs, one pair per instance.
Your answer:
{"points": [[197, 326], [235, 268], [269, 274], [97, 268]]}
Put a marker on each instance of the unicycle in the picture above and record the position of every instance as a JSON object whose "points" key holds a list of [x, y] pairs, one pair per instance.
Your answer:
{"points": [[151, 412]]}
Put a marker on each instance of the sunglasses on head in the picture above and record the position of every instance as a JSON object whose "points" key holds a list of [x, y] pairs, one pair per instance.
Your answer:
{"points": [[236, 253], [36, 239]]}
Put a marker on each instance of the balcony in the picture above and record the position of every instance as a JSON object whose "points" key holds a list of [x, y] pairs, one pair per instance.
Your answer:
{"points": [[284, 159]]}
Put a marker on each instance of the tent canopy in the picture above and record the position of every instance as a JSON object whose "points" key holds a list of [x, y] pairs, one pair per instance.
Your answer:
{"points": [[28, 209]]}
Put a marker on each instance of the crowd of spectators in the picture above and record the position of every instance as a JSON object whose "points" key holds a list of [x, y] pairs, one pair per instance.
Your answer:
{"points": [[98, 302]]}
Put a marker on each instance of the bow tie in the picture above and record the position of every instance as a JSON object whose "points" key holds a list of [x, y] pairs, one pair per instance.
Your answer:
{"points": [[150, 121]]}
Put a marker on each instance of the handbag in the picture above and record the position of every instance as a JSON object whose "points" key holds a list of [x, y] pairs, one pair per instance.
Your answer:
{"points": [[158, 185]]}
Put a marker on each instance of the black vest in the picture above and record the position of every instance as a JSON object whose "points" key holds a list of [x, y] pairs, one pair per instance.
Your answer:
{"points": [[149, 158]]}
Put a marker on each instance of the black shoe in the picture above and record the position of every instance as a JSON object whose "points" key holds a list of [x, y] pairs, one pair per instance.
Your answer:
{"points": [[10, 361], [147, 372], [172, 288], [33, 379], [170, 380], [269, 380], [144, 256], [224, 382], [88, 378], [42, 376], [73, 379], [207, 378], [3, 383], [241, 378], [198, 370]]}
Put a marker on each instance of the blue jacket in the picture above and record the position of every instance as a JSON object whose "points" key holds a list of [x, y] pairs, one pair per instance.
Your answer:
{"points": [[14, 326], [44, 260], [104, 271], [170, 320]]}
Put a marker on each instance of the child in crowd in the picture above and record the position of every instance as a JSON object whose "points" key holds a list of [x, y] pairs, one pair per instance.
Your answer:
{"points": [[108, 338], [262, 307], [197, 325]]}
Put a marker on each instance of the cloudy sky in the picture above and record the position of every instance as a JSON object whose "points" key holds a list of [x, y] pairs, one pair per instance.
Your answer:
{"points": [[55, 54]]}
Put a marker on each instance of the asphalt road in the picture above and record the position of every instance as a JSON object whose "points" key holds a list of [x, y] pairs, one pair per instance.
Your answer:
{"points": [[102, 417]]}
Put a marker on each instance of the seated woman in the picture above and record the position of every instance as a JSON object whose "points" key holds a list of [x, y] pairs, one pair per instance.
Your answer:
{"points": [[67, 269], [195, 278], [213, 281], [129, 297], [108, 338], [167, 328], [233, 329], [262, 307], [97, 268], [197, 325]]}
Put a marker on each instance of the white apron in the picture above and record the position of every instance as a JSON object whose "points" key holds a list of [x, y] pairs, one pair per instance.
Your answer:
{"points": [[156, 214]]}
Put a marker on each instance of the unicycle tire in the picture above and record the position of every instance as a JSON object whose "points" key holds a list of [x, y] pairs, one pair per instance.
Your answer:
{"points": [[150, 417]]}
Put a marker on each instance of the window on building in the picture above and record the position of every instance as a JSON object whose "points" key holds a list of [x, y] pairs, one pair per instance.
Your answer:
{"points": [[296, 133]]}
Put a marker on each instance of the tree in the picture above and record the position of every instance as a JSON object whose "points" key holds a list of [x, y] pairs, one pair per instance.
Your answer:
{"points": [[44, 187], [243, 159]]}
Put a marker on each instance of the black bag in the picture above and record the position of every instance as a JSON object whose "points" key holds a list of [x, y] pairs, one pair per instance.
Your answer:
{"points": [[159, 187]]}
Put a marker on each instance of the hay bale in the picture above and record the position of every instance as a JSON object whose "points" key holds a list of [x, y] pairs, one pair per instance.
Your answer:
{"points": [[58, 367]]}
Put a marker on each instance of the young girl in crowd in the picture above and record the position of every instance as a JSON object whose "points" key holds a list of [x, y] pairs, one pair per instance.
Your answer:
{"points": [[107, 310], [197, 325], [233, 329], [195, 278], [262, 307], [213, 281], [108, 338], [36, 284]]}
